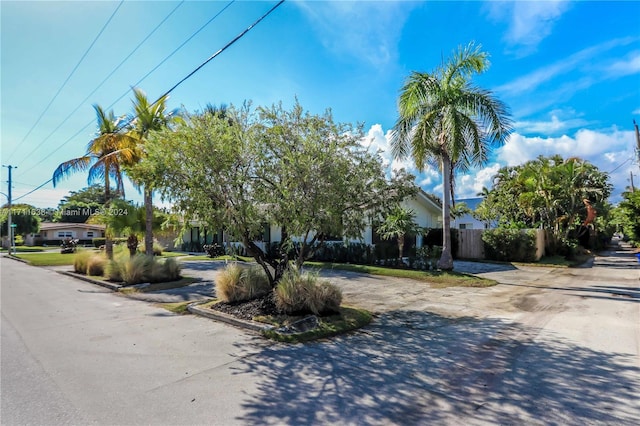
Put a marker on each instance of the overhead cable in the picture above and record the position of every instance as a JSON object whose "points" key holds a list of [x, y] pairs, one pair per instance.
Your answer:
{"points": [[68, 78]]}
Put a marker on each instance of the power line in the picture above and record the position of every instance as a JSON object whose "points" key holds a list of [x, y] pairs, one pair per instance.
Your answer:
{"points": [[33, 190], [238, 37], [138, 82], [229, 44], [104, 81], [68, 78], [621, 164]]}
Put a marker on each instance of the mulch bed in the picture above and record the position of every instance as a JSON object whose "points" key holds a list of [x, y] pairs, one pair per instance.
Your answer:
{"points": [[264, 305]]}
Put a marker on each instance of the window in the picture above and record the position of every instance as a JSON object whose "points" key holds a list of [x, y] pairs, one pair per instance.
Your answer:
{"points": [[65, 234], [89, 234], [466, 226]]}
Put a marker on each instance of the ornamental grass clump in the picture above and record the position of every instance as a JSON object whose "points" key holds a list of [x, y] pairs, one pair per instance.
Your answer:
{"points": [[80, 261], [142, 268], [300, 293], [236, 284], [113, 270], [96, 265]]}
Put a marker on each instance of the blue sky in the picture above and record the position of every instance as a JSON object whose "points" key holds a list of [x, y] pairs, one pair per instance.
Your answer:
{"points": [[569, 71]]}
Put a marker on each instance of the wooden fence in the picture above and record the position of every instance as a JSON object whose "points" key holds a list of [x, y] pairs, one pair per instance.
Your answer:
{"points": [[470, 245]]}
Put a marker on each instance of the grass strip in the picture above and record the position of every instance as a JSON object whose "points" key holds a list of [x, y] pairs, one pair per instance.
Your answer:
{"points": [[438, 278], [179, 308], [47, 259], [347, 320]]}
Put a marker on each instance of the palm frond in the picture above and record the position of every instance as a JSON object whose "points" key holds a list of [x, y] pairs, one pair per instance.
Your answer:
{"points": [[69, 167]]}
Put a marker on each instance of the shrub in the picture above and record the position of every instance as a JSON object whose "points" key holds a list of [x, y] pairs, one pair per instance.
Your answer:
{"points": [[511, 245], [96, 264], [301, 293], [214, 250], [171, 269], [235, 283], [157, 249], [80, 261], [97, 242], [433, 237]]}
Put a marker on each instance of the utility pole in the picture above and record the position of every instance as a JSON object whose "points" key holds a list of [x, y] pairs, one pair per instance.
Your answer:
{"points": [[633, 189], [9, 224], [637, 141]]}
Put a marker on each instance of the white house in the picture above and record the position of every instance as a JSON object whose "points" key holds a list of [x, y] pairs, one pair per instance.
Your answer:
{"points": [[426, 208], [53, 232], [467, 221]]}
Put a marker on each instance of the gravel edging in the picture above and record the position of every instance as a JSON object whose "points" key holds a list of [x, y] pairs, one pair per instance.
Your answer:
{"points": [[195, 309]]}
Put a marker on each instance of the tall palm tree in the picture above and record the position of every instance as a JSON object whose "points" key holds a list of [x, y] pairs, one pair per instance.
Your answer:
{"points": [[446, 121], [106, 154], [149, 117]]}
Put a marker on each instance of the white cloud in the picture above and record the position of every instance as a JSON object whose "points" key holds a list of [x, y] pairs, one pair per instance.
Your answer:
{"points": [[581, 59], [377, 140], [552, 126], [528, 22], [627, 66], [611, 151], [469, 185], [367, 31]]}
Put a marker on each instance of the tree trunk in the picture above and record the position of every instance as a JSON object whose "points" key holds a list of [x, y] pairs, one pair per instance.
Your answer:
{"points": [[400, 249], [132, 245], [446, 260], [148, 226], [108, 242]]}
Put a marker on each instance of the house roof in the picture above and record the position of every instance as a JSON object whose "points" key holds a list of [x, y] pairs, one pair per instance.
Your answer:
{"points": [[52, 226], [430, 199]]}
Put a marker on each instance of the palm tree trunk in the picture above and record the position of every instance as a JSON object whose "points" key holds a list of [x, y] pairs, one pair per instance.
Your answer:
{"points": [[446, 260], [148, 226], [108, 242]]}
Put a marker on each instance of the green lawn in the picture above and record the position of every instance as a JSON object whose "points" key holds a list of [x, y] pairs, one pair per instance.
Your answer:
{"points": [[47, 259], [171, 254], [347, 320], [438, 279]]}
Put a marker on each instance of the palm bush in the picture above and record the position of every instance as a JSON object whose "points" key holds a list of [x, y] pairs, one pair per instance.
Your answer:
{"points": [[235, 283], [298, 293]]}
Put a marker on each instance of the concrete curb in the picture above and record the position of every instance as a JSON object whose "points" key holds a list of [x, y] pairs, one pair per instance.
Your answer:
{"points": [[110, 286], [10, 256], [195, 309]]}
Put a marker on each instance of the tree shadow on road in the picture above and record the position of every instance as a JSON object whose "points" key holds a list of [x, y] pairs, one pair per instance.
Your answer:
{"points": [[418, 368]]}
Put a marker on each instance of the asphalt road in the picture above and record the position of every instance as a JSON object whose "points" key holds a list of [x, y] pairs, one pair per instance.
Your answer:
{"points": [[549, 346]]}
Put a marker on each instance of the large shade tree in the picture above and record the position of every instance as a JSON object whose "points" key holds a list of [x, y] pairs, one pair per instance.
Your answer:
{"points": [[446, 121], [147, 117], [274, 166], [106, 155]]}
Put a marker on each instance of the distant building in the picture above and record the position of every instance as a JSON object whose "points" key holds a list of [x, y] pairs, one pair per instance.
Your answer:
{"points": [[52, 233], [467, 221]]}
